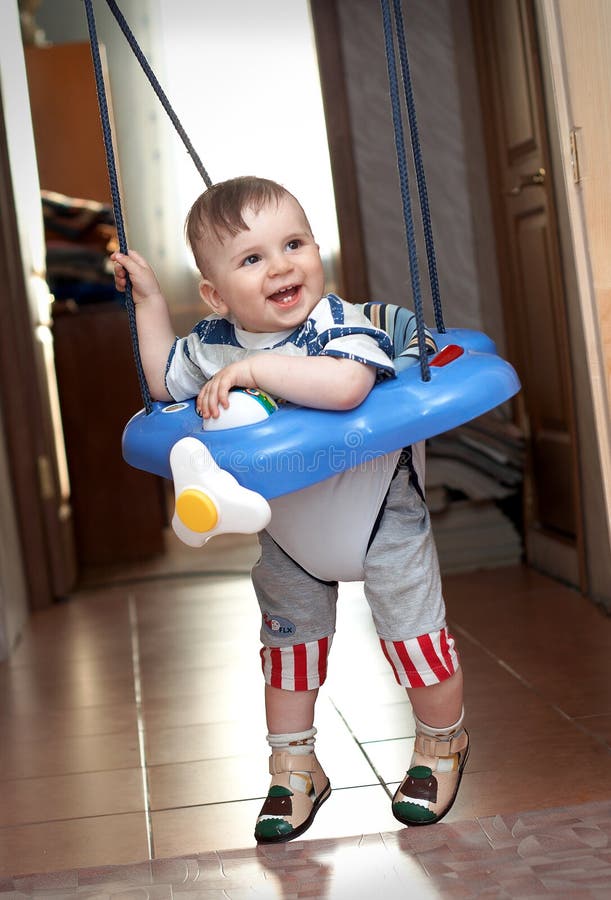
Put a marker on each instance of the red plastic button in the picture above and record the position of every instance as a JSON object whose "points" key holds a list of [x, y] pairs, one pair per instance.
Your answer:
{"points": [[447, 355]]}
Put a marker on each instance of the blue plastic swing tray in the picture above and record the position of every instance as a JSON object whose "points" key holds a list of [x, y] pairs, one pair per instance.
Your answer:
{"points": [[298, 446]]}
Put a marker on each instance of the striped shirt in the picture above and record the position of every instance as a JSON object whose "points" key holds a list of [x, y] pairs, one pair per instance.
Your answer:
{"points": [[400, 324], [334, 328]]}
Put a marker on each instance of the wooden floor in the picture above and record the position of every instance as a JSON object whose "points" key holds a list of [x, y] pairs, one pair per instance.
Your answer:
{"points": [[132, 730]]}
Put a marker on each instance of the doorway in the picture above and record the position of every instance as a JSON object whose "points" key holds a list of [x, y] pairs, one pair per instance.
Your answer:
{"points": [[526, 252]]}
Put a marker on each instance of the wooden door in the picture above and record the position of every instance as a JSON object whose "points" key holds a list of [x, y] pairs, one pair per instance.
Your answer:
{"points": [[532, 281]]}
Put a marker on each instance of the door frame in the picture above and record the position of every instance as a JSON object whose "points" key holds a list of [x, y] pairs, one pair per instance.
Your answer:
{"points": [[594, 424], [20, 395], [35, 453]]}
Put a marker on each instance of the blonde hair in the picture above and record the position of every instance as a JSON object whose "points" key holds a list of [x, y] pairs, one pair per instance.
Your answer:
{"points": [[219, 211]]}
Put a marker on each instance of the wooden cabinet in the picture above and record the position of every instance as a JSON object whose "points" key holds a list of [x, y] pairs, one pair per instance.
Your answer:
{"points": [[119, 512], [66, 120]]}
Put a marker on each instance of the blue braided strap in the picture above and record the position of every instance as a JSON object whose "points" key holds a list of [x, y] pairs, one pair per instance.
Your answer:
{"points": [[405, 195]]}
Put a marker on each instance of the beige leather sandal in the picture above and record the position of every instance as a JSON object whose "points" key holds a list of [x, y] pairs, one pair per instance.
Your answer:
{"points": [[288, 812], [432, 781]]}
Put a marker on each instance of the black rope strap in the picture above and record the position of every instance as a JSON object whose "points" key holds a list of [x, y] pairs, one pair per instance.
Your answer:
{"points": [[408, 218], [133, 43], [116, 199]]}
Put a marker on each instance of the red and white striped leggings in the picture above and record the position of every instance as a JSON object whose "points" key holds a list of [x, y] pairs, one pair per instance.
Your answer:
{"points": [[402, 585], [417, 662]]}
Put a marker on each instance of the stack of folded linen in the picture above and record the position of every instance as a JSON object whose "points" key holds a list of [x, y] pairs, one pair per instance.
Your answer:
{"points": [[474, 477]]}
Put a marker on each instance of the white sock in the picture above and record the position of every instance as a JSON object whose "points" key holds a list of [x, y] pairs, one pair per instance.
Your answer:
{"points": [[431, 731], [299, 743]]}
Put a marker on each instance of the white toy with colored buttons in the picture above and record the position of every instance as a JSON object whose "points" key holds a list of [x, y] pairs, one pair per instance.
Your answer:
{"points": [[246, 407]]}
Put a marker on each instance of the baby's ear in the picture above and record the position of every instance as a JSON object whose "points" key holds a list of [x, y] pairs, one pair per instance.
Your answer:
{"points": [[212, 298]]}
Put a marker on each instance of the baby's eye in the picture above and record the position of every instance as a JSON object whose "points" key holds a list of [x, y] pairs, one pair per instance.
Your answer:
{"points": [[251, 260], [294, 244]]}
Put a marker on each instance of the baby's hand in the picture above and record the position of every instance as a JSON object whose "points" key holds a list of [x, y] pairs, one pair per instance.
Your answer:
{"points": [[215, 392], [144, 282]]}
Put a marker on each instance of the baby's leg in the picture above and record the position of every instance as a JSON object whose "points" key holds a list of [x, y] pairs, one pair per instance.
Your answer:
{"points": [[441, 704], [294, 607], [289, 711], [299, 786], [441, 748], [403, 587], [441, 745]]}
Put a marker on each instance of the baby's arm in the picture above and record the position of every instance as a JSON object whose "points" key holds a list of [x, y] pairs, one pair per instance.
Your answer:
{"points": [[155, 333], [322, 382]]}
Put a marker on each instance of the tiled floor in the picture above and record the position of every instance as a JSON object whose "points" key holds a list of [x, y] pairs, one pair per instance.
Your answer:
{"points": [[132, 730]]}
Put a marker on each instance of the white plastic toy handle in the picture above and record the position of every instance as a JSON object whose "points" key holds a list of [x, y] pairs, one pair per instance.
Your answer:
{"points": [[210, 501]]}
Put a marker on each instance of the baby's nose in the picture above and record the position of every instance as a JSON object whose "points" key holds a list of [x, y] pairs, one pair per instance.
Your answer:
{"points": [[279, 264]]}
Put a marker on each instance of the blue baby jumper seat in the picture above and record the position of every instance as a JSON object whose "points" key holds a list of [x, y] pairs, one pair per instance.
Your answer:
{"points": [[333, 467], [299, 446]]}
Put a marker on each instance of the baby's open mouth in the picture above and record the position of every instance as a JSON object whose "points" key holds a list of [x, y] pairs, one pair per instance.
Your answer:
{"points": [[285, 295]]}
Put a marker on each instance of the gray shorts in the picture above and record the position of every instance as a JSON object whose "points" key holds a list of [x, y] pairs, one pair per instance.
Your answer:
{"points": [[402, 581]]}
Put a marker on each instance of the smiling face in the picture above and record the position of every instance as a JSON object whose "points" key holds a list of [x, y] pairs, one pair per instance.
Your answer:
{"points": [[268, 277]]}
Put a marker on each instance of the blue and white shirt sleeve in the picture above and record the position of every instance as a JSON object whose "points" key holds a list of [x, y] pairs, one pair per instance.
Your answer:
{"points": [[195, 358], [342, 330], [183, 377]]}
